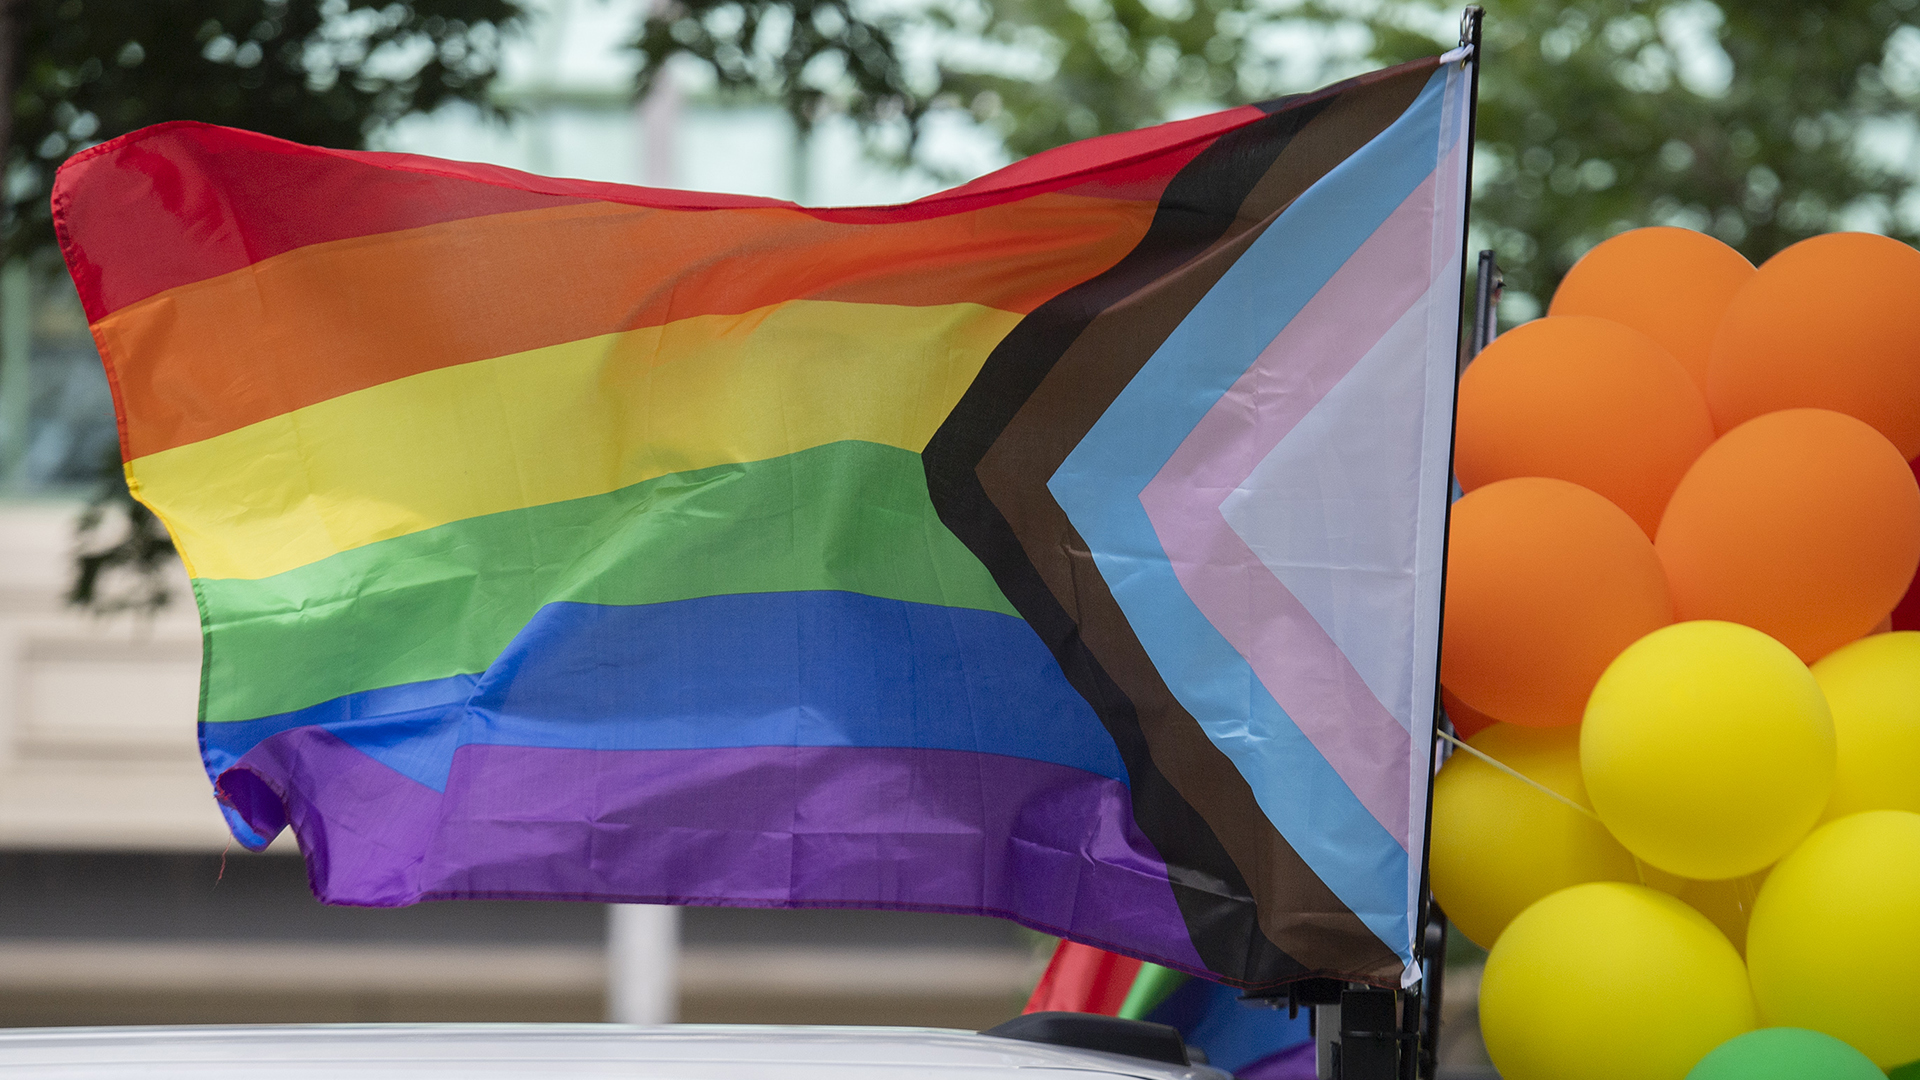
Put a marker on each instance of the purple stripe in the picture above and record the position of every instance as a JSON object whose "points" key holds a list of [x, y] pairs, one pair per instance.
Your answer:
{"points": [[1047, 845]]}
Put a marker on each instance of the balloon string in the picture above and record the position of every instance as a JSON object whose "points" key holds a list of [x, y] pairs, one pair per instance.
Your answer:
{"points": [[1516, 774]]}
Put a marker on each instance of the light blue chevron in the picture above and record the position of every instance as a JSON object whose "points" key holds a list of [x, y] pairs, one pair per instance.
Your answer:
{"points": [[1099, 487]]}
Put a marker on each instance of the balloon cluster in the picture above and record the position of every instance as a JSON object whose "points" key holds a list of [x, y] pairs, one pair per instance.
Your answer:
{"points": [[1688, 824]]}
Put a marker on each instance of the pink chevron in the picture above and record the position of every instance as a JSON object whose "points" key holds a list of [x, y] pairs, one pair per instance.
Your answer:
{"points": [[1294, 658]]}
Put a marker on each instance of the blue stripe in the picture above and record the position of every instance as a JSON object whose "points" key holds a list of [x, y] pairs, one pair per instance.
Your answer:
{"points": [[760, 669], [1099, 487], [1234, 1033]]}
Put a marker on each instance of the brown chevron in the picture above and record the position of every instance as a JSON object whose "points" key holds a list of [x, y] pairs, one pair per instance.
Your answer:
{"points": [[1257, 914]]}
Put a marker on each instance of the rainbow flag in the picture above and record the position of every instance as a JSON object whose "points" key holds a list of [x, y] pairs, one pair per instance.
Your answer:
{"points": [[1247, 1039], [1064, 547]]}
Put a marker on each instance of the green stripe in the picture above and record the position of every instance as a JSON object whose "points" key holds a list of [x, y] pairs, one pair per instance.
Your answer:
{"points": [[849, 516], [1152, 986]]}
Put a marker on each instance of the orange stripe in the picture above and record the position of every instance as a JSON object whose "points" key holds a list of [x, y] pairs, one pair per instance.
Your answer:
{"points": [[333, 318]]}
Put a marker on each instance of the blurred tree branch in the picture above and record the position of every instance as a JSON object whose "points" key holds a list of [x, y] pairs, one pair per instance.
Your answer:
{"points": [[1041, 72], [826, 55], [122, 545], [1756, 121], [1761, 122]]}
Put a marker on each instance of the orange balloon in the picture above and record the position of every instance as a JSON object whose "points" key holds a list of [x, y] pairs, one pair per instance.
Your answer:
{"points": [[1906, 614], [1467, 720], [1832, 322], [1670, 284], [1546, 583], [1586, 400], [1803, 524]]}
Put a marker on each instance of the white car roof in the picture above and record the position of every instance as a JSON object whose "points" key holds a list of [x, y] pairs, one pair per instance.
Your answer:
{"points": [[502, 1051]]}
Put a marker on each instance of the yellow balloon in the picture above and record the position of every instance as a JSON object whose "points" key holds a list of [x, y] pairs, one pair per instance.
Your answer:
{"points": [[1707, 749], [1832, 945], [1499, 843], [1607, 981], [1726, 904], [1873, 688]]}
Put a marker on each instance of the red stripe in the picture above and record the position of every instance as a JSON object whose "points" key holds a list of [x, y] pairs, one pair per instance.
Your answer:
{"points": [[1081, 978], [188, 201], [202, 201]]}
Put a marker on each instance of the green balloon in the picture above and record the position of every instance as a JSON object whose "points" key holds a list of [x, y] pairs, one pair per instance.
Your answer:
{"points": [[1785, 1054], [1909, 1071]]}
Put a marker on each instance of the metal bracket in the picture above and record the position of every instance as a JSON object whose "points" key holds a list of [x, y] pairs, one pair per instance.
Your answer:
{"points": [[1470, 26]]}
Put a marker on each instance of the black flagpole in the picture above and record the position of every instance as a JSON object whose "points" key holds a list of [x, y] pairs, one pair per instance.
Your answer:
{"points": [[1420, 1016]]}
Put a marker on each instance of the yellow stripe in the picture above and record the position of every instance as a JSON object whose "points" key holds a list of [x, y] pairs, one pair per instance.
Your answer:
{"points": [[563, 422]]}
